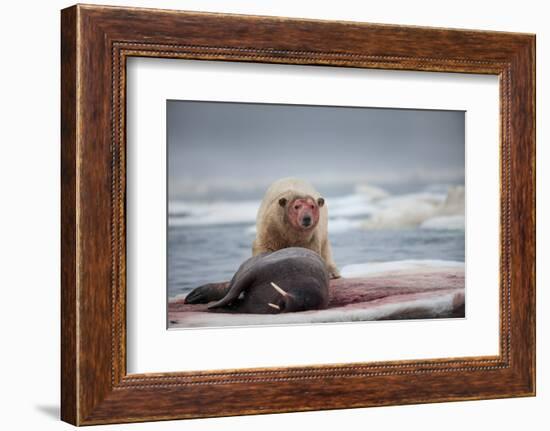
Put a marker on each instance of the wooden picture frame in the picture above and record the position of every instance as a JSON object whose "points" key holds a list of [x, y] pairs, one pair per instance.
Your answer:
{"points": [[95, 43]]}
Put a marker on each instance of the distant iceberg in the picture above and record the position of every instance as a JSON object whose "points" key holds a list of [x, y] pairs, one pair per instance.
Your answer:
{"points": [[454, 222], [427, 210], [184, 213], [372, 268]]}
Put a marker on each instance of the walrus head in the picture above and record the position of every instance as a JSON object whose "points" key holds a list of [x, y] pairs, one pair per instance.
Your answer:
{"points": [[302, 213], [304, 295]]}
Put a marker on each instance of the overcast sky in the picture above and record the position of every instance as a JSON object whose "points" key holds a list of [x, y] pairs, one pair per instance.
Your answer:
{"points": [[213, 144]]}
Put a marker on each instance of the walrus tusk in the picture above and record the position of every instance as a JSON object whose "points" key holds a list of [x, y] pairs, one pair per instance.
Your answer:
{"points": [[278, 289], [274, 306]]}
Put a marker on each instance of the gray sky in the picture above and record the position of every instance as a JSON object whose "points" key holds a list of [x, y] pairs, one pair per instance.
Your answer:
{"points": [[219, 145]]}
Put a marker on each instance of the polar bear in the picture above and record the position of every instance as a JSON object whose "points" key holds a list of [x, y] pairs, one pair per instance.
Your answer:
{"points": [[293, 214]]}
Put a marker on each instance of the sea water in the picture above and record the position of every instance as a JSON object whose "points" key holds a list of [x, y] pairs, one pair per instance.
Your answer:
{"points": [[208, 238]]}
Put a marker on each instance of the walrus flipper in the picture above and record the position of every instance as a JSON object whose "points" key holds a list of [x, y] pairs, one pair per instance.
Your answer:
{"points": [[216, 291], [237, 286], [207, 293]]}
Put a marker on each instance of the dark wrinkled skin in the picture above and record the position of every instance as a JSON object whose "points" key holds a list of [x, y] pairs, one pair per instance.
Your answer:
{"points": [[300, 272]]}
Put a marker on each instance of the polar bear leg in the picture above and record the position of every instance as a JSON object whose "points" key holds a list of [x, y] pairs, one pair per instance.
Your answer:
{"points": [[326, 254]]}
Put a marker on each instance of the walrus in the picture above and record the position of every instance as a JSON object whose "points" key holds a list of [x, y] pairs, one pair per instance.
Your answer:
{"points": [[293, 214], [287, 280]]}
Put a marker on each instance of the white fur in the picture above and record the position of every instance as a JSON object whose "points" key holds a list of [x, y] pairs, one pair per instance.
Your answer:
{"points": [[273, 233]]}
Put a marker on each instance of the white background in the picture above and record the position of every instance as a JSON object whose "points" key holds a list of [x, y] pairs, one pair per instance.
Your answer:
{"points": [[151, 348], [29, 216]]}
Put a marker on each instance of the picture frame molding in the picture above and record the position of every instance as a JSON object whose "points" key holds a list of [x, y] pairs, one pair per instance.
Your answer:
{"points": [[96, 41]]}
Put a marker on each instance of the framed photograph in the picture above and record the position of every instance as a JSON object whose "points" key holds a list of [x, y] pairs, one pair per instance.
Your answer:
{"points": [[258, 208], [227, 207]]}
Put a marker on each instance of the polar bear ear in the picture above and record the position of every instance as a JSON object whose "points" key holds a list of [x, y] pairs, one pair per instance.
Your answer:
{"points": [[320, 202], [282, 202]]}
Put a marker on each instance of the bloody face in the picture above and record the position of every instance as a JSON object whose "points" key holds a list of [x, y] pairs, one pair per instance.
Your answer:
{"points": [[303, 213]]}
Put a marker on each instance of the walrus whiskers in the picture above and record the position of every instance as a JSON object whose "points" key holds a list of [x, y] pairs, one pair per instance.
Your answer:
{"points": [[274, 306], [278, 289]]}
